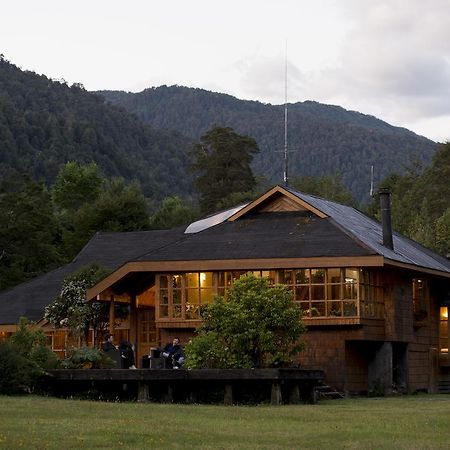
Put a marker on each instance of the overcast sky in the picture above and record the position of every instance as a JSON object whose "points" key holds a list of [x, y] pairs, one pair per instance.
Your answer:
{"points": [[388, 58]]}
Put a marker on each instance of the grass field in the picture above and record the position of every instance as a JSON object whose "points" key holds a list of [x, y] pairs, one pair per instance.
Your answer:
{"points": [[412, 422]]}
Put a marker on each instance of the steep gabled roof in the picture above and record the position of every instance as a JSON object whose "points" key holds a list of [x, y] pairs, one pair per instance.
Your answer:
{"points": [[354, 223]]}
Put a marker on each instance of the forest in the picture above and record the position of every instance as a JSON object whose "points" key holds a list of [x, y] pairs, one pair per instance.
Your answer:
{"points": [[322, 139]]}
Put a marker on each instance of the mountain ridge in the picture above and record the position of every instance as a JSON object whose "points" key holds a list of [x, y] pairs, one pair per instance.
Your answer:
{"points": [[323, 139]]}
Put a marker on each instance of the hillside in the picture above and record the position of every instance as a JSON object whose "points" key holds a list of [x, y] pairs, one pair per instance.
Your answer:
{"points": [[323, 139], [45, 123]]}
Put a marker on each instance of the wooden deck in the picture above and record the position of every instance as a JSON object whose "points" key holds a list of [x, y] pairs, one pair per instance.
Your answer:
{"points": [[284, 385]]}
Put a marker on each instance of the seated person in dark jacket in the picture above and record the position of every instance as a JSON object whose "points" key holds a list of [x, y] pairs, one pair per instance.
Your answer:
{"points": [[127, 355], [174, 353], [108, 344]]}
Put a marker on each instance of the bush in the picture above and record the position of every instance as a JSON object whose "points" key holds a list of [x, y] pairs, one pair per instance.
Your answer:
{"points": [[24, 359], [256, 325], [88, 358], [207, 351], [17, 373]]}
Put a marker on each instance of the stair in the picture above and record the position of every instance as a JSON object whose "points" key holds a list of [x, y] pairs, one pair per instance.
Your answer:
{"points": [[327, 392], [444, 387]]}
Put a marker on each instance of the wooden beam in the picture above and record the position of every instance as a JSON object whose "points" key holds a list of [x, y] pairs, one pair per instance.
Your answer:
{"points": [[274, 191], [233, 264], [415, 268]]}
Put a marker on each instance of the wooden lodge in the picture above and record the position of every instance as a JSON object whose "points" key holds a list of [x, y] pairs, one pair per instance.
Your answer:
{"points": [[375, 303]]}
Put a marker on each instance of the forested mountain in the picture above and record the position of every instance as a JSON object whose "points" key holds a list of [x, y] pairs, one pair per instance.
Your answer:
{"points": [[45, 123], [323, 139]]}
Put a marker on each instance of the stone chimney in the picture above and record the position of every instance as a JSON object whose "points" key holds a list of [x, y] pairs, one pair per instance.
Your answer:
{"points": [[385, 206]]}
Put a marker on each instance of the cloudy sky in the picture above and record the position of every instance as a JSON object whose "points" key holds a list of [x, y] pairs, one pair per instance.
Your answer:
{"points": [[388, 58]]}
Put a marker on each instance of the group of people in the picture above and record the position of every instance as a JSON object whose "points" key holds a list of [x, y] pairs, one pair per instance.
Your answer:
{"points": [[173, 353], [126, 351]]}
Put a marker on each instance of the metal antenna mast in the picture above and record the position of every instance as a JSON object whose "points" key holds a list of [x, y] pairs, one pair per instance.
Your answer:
{"points": [[285, 175]]}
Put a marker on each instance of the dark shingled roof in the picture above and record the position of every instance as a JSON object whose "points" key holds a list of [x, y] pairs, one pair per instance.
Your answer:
{"points": [[108, 249], [264, 235]]}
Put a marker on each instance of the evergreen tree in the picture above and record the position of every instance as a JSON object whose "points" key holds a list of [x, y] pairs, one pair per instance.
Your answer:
{"points": [[28, 230], [222, 162]]}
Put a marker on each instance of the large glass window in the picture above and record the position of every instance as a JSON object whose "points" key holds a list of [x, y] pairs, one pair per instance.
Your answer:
{"points": [[181, 295], [324, 292], [371, 294], [320, 292]]}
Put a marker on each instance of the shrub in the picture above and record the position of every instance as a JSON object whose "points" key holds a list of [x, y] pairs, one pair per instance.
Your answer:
{"points": [[24, 359], [17, 373], [88, 358], [256, 325]]}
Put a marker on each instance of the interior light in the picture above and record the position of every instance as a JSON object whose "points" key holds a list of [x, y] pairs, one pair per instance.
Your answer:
{"points": [[202, 277], [444, 312]]}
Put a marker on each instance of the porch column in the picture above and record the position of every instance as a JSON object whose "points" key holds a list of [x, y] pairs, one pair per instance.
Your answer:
{"points": [[381, 370], [112, 317], [133, 323]]}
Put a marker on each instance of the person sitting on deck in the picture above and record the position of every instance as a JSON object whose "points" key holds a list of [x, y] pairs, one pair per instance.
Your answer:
{"points": [[173, 353], [108, 344], [127, 355]]}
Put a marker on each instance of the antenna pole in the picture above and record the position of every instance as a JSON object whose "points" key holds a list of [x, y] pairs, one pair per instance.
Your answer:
{"points": [[285, 177], [371, 181]]}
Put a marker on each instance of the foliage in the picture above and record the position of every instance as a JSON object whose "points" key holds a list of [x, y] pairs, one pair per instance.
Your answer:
{"points": [[17, 373], [118, 207], [31, 344], [172, 213], [88, 358], [221, 161], [77, 184], [71, 310], [28, 230], [327, 186], [45, 123], [421, 201], [24, 359], [255, 326], [323, 139]]}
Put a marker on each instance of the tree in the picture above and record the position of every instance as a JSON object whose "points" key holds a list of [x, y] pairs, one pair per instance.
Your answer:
{"points": [[28, 230], [256, 325], [119, 207], [77, 184], [173, 212], [327, 186], [221, 161], [70, 309]]}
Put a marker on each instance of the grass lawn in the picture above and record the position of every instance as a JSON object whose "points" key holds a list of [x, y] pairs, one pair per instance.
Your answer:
{"points": [[412, 422]]}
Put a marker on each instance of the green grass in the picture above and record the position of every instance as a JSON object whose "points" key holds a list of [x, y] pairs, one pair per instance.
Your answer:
{"points": [[413, 422]]}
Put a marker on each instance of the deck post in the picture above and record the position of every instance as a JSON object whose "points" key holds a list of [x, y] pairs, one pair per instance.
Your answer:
{"points": [[112, 318], [143, 392], [294, 394], [228, 395], [275, 397], [168, 397]]}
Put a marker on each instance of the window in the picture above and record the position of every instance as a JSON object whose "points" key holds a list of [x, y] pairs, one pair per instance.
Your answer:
{"points": [[443, 330], [371, 294], [324, 292], [181, 295], [420, 300]]}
